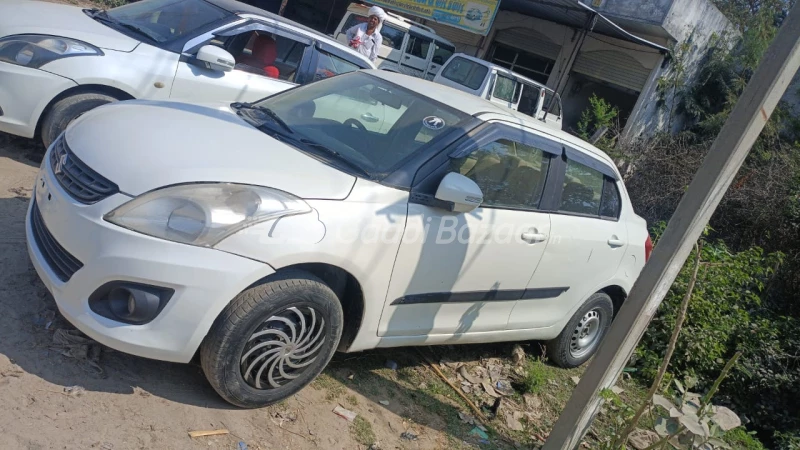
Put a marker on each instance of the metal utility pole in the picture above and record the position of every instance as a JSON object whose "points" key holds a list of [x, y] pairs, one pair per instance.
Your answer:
{"points": [[710, 183]]}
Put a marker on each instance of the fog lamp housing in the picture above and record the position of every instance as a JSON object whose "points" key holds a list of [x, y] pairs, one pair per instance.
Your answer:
{"points": [[128, 302]]}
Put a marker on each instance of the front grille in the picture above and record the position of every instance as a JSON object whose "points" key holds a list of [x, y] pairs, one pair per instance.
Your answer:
{"points": [[60, 261], [79, 180]]}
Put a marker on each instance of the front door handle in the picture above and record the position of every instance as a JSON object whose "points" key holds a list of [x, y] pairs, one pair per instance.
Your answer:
{"points": [[615, 242], [367, 117], [533, 236]]}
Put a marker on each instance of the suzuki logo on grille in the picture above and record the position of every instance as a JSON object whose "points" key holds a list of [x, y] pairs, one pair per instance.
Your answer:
{"points": [[60, 163]]}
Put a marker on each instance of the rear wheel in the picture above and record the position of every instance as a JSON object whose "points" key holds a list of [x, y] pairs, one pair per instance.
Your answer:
{"points": [[583, 333], [272, 340], [66, 110]]}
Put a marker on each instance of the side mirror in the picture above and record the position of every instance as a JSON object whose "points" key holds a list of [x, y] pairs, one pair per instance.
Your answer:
{"points": [[214, 58], [460, 191]]}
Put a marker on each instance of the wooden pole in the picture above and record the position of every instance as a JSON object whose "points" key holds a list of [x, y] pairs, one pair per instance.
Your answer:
{"points": [[723, 161]]}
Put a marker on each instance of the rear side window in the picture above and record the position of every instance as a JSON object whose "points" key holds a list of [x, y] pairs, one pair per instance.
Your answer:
{"points": [[589, 192], [442, 53], [583, 188], [610, 203], [510, 174], [506, 89], [330, 66], [466, 72]]}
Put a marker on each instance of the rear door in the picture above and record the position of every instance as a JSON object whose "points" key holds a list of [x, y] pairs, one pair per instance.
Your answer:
{"points": [[463, 273], [416, 54], [506, 91], [589, 242]]}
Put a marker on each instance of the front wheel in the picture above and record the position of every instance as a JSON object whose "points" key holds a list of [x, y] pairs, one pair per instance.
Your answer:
{"points": [[272, 340], [585, 330], [66, 110]]}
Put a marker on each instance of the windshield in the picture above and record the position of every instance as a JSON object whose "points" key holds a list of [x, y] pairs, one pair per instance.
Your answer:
{"points": [[371, 123], [466, 73], [164, 20]]}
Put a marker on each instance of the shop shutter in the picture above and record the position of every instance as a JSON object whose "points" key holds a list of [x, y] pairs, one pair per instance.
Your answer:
{"points": [[460, 38], [612, 66], [530, 41]]}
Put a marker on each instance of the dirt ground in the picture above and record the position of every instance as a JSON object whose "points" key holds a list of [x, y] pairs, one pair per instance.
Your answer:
{"points": [[126, 402]]}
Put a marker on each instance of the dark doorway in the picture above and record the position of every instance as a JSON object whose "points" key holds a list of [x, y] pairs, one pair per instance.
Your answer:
{"points": [[579, 88], [321, 15]]}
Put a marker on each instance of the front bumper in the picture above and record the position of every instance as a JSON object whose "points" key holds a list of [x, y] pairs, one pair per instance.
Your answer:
{"points": [[24, 94], [204, 280]]}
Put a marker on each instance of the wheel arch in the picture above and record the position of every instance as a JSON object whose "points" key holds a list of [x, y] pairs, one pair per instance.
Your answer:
{"points": [[618, 296], [117, 93], [347, 289]]}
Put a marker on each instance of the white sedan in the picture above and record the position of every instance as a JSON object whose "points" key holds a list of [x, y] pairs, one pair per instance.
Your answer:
{"points": [[366, 210], [59, 61]]}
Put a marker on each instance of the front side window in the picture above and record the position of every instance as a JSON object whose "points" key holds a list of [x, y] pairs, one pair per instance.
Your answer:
{"points": [[267, 54], [510, 174], [369, 122], [441, 53], [164, 20], [465, 72], [583, 189], [418, 46]]}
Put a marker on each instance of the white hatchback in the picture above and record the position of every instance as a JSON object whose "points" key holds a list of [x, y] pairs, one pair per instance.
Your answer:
{"points": [[59, 61], [367, 210]]}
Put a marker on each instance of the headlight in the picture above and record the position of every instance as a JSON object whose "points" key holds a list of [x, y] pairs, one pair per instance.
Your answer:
{"points": [[33, 50], [204, 214]]}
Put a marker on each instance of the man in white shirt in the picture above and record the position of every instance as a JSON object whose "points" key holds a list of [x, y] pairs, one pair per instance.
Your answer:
{"points": [[366, 37]]}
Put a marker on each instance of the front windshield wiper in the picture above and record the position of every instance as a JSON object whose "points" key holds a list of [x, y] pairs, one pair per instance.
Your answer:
{"points": [[317, 146], [268, 112], [102, 15]]}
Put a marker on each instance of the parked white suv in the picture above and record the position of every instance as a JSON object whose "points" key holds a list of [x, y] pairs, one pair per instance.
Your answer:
{"points": [[59, 61], [356, 212]]}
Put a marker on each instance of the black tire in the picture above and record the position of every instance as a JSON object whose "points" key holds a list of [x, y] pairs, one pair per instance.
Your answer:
{"points": [[565, 350], [68, 109], [255, 311]]}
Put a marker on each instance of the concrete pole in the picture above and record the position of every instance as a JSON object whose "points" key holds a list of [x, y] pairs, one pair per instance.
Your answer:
{"points": [[710, 183]]}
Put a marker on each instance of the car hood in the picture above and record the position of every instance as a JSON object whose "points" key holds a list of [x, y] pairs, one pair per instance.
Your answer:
{"points": [[33, 17], [144, 145]]}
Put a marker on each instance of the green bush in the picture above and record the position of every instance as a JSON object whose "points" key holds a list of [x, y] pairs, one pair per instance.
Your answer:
{"points": [[599, 114], [726, 315]]}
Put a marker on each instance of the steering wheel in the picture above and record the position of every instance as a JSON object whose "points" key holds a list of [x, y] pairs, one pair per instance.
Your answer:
{"points": [[355, 123]]}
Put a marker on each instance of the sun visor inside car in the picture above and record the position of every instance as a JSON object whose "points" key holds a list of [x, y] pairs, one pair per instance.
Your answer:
{"points": [[588, 161], [263, 28], [499, 131]]}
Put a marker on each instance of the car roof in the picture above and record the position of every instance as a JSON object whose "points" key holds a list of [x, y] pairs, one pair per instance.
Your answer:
{"points": [[473, 105], [404, 22], [502, 69], [239, 8]]}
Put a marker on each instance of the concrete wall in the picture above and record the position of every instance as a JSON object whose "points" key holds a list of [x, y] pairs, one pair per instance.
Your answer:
{"points": [[645, 11], [694, 22]]}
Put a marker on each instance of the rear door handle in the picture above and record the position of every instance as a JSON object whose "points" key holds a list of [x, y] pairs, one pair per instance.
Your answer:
{"points": [[533, 236], [615, 242]]}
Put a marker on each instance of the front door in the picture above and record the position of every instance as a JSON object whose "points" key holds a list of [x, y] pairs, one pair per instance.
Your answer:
{"points": [[416, 55], [505, 91], [463, 273], [268, 61]]}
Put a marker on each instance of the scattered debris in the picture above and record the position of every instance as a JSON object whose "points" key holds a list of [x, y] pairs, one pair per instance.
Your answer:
{"points": [[74, 344], [576, 380], [351, 376], [517, 354], [466, 387], [438, 372], [12, 372], [520, 372], [242, 445], [107, 446], [384, 402], [466, 418], [641, 439], [197, 434], [467, 376], [553, 382], [478, 432], [725, 418], [489, 389], [532, 401], [45, 318], [495, 372], [74, 391], [512, 419], [374, 446], [391, 364], [449, 363], [141, 392], [495, 406], [503, 387], [617, 390], [409, 436], [423, 386], [345, 413]]}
